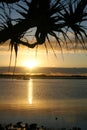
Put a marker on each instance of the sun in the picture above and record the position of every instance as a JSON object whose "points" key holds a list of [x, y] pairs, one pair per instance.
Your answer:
{"points": [[30, 63]]}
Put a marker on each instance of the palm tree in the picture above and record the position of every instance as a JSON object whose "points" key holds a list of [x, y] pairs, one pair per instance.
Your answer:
{"points": [[56, 18], [9, 1]]}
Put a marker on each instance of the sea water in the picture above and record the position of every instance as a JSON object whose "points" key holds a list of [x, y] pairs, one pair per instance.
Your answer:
{"points": [[54, 103]]}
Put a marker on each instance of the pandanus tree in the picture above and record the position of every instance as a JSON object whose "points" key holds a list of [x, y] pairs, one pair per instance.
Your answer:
{"points": [[50, 18]]}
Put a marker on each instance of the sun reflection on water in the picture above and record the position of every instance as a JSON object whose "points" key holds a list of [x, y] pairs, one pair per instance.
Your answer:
{"points": [[30, 92]]}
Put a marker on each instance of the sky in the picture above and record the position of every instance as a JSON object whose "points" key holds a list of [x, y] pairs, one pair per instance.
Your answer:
{"points": [[31, 58], [40, 58]]}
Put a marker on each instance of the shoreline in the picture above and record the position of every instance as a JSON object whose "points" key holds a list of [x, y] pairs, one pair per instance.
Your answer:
{"points": [[41, 76], [32, 126]]}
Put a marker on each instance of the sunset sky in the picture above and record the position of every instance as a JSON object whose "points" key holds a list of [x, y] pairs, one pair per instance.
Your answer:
{"points": [[40, 58]]}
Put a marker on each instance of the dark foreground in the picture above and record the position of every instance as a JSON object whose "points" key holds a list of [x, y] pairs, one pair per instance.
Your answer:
{"points": [[34, 126]]}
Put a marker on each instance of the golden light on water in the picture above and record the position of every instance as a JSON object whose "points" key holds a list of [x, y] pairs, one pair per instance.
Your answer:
{"points": [[30, 92]]}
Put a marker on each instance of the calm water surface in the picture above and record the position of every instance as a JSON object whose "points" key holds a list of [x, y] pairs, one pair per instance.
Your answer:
{"points": [[42, 100]]}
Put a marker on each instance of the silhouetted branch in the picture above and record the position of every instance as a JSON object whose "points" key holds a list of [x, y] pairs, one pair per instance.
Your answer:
{"points": [[56, 18], [9, 1]]}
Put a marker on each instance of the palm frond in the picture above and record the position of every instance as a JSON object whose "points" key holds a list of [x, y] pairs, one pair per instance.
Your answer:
{"points": [[9, 1], [48, 16]]}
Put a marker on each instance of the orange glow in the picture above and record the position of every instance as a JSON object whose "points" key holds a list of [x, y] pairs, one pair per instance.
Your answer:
{"points": [[30, 92], [30, 63]]}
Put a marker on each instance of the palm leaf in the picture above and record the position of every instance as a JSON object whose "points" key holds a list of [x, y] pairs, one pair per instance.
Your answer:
{"points": [[57, 19]]}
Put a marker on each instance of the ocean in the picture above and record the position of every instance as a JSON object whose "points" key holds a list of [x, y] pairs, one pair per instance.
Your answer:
{"points": [[54, 103]]}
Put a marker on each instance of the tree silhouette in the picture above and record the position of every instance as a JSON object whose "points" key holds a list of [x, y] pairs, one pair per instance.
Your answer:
{"points": [[50, 18]]}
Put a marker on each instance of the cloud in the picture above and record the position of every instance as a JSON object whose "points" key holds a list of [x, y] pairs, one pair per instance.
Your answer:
{"points": [[52, 46], [69, 45]]}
